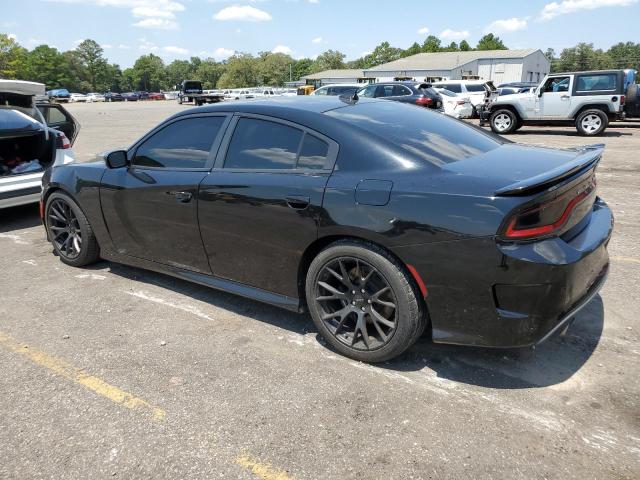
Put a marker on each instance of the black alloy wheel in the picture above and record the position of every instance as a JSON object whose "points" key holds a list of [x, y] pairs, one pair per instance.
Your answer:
{"points": [[364, 301], [69, 231], [65, 228], [357, 304]]}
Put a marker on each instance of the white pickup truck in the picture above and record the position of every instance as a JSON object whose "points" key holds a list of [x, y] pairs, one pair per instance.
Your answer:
{"points": [[588, 100]]}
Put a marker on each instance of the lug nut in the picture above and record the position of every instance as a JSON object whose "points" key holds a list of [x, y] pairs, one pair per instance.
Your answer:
{"points": [[362, 309], [362, 291], [353, 292], [368, 301], [353, 303]]}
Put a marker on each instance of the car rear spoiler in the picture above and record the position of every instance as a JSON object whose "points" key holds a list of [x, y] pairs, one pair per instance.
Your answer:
{"points": [[587, 158]]}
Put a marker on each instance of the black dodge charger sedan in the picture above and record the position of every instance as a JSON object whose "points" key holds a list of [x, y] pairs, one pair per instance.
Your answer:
{"points": [[380, 219]]}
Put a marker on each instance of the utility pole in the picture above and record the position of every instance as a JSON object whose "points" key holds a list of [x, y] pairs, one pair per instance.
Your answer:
{"points": [[290, 79]]}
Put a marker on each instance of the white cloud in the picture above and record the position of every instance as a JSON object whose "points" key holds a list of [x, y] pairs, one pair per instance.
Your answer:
{"points": [[244, 13], [317, 40], [554, 9], [219, 53], [281, 49], [506, 25], [175, 50], [423, 31], [107, 46], [158, 14], [158, 23], [449, 34], [12, 36]]}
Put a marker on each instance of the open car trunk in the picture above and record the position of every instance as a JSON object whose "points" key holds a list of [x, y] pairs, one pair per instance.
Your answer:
{"points": [[25, 145]]}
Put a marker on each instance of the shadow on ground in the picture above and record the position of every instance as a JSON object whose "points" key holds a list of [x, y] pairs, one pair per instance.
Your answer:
{"points": [[19, 218], [548, 364]]}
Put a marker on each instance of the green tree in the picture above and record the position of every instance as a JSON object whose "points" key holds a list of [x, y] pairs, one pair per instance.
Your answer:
{"points": [[383, 53], [12, 57], [241, 70], [274, 69], [490, 42], [464, 46], [329, 60], [303, 67], [90, 56], [412, 50], [582, 57], [452, 47], [431, 44], [149, 73], [177, 71], [46, 65], [625, 55], [209, 72]]}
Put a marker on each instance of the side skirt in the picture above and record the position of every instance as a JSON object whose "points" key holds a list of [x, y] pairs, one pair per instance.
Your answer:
{"points": [[282, 301]]}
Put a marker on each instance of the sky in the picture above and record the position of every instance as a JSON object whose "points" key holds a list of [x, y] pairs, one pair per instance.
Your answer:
{"points": [[178, 29]]}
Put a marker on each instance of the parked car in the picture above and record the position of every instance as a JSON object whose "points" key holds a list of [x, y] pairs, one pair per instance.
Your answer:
{"points": [[455, 105], [130, 97], [240, 94], [95, 97], [384, 219], [338, 89], [264, 92], [77, 97], [289, 92], [479, 92], [156, 96], [173, 95], [407, 92], [192, 91], [33, 137], [60, 95], [113, 97], [588, 100], [632, 99], [142, 95]]}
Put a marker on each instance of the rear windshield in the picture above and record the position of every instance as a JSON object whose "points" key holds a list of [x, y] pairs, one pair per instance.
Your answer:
{"points": [[431, 136], [475, 88], [192, 85]]}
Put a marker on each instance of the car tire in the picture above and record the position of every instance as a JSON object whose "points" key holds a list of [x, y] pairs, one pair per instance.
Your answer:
{"points": [[69, 231], [631, 96], [591, 122], [503, 121], [363, 301]]}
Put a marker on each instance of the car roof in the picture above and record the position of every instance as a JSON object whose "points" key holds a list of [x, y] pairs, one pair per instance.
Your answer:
{"points": [[306, 103], [588, 72]]}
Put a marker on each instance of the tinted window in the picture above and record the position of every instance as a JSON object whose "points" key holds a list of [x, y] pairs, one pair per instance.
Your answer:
{"points": [[452, 87], [260, 144], [589, 83], [400, 90], [321, 91], [341, 90], [314, 153], [435, 138], [182, 144], [55, 115], [475, 88], [368, 91]]}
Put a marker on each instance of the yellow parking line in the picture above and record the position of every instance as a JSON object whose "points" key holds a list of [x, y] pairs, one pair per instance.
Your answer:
{"points": [[626, 259], [264, 471], [77, 375]]}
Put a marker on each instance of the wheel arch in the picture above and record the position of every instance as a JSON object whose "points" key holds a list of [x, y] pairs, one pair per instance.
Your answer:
{"points": [[595, 106], [506, 106]]}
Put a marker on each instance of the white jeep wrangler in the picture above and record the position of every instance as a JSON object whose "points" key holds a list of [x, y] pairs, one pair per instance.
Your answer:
{"points": [[588, 100]]}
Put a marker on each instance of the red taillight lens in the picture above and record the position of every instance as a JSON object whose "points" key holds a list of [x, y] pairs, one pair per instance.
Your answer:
{"points": [[461, 102], [424, 101], [62, 141], [622, 99], [549, 217]]}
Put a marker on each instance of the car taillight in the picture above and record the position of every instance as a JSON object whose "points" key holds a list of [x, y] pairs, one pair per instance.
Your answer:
{"points": [[622, 99], [62, 141], [424, 101], [549, 217], [461, 102]]}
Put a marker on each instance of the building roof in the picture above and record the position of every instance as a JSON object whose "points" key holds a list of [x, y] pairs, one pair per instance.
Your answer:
{"points": [[343, 73], [447, 60]]}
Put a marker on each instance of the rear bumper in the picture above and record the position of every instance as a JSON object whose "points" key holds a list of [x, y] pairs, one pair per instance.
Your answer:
{"points": [[507, 295]]}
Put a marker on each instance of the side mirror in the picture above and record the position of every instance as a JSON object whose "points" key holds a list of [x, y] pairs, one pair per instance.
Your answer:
{"points": [[117, 159], [540, 92]]}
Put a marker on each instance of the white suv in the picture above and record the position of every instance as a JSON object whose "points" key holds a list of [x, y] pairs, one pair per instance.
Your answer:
{"points": [[33, 137], [588, 100], [478, 92]]}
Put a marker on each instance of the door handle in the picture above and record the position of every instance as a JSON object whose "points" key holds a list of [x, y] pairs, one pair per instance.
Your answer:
{"points": [[298, 202], [565, 97], [182, 197]]}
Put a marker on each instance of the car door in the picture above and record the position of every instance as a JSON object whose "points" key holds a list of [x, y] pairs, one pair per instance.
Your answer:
{"points": [[59, 118], [259, 209], [555, 101], [150, 207]]}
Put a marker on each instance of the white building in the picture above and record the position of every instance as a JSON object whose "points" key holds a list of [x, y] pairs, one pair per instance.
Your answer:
{"points": [[329, 77], [501, 66]]}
